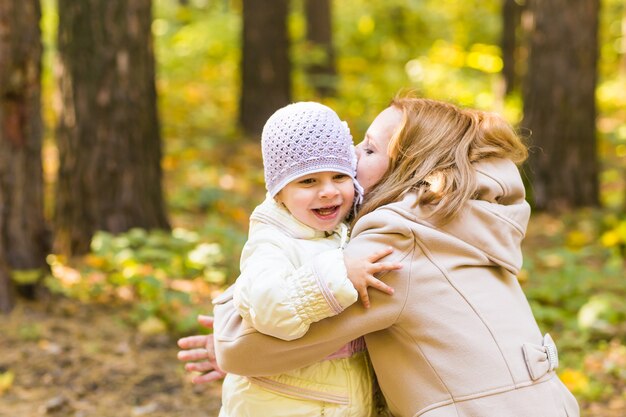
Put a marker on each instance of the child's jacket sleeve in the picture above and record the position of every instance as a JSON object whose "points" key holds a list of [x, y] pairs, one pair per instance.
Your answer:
{"points": [[281, 300]]}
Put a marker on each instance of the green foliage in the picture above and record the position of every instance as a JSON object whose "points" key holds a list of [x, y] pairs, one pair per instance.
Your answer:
{"points": [[614, 237], [603, 314], [443, 50], [167, 276], [574, 280], [26, 276], [197, 56]]}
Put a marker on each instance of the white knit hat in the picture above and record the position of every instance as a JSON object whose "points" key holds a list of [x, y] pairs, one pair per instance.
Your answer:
{"points": [[304, 138]]}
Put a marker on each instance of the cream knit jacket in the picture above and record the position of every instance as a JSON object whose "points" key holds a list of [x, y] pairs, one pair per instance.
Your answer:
{"points": [[291, 274]]}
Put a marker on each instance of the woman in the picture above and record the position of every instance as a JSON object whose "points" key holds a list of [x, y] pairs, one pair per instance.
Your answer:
{"points": [[458, 337]]}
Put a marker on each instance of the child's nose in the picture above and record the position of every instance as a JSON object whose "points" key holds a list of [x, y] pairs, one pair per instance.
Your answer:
{"points": [[328, 190]]}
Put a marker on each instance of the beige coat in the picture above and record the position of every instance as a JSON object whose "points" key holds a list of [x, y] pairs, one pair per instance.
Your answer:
{"points": [[458, 338]]}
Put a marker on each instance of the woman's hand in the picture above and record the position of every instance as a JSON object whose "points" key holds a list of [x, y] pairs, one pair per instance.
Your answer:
{"points": [[199, 352], [361, 273]]}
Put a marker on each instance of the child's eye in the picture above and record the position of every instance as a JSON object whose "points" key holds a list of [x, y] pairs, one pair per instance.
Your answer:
{"points": [[340, 177], [307, 181]]}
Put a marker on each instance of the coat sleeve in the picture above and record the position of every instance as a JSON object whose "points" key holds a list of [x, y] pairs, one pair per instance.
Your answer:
{"points": [[242, 350], [281, 300]]}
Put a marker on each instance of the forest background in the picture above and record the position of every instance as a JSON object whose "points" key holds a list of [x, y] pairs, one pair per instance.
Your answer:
{"points": [[102, 302]]}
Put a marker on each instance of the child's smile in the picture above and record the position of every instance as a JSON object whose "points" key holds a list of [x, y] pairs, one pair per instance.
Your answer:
{"points": [[327, 213]]}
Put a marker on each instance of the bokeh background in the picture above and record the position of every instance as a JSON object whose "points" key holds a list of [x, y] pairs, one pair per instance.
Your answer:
{"points": [[130, 162]]}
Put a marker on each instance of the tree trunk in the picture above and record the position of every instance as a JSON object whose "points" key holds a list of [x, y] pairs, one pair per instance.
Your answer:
{"points": [[266, 68], [108, 134], [322, 72], [511, 13], [23, 234], [559, 103], [7, 298]]}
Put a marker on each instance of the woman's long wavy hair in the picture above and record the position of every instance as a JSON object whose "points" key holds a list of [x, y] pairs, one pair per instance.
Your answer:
{"points": [[432, 152]]}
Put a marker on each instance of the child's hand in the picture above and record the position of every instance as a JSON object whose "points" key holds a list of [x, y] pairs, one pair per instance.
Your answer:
{"points": [[361, 273]]}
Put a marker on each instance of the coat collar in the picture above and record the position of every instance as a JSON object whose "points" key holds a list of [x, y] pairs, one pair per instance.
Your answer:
{"points": [[494, 221]]}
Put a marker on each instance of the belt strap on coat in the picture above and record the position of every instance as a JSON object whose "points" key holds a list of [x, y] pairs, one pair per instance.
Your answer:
{"points": [[541, 359]]}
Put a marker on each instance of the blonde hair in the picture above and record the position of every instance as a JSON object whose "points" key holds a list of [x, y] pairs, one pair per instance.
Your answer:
{"points": [[432, 152]]}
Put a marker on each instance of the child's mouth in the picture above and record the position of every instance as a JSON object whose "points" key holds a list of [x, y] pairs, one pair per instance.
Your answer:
{"points": [[326, 211]]}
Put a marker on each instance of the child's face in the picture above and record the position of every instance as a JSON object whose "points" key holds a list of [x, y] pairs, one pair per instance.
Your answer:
{"points": [[372, 151], [321, 200]]}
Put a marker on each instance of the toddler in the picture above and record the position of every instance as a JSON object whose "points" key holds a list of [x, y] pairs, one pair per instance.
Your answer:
{"points": [[293, 271]]}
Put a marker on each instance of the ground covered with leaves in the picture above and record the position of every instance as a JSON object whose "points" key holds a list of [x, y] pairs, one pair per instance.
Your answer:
{"points": [[65, 358]]}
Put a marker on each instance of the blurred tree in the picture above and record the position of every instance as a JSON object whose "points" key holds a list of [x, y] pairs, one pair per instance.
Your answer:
{"points": [[266, 68], [559, 103], [23, 232], [108, 134], [7, 298], [321, 70], [511, 12]]}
